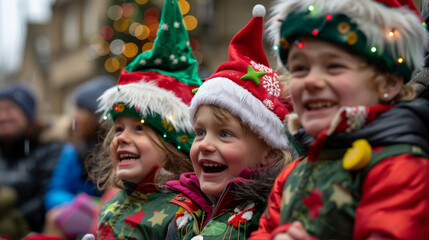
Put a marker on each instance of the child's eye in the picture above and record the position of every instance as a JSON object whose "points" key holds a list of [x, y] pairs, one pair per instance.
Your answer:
{"points": [[298, 70], [139, 127], [335, 66], [225, 134], [199, 133], [119, 129]]}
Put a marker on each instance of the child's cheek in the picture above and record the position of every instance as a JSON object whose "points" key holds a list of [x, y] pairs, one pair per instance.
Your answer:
{"points": [[295, 90]]}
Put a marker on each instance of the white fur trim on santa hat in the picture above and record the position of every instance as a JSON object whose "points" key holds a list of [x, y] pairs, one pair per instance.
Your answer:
{"points": [[150, 99], [238, 101], [374, 19]]}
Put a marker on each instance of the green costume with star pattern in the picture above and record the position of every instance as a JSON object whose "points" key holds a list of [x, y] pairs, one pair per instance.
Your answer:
{"points": [[218, 227], [333, 192], [137, 212], [384, 198]]}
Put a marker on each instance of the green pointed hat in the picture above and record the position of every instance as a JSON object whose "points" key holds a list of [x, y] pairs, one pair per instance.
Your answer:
{"points": [[171, 54], [157, 85]]}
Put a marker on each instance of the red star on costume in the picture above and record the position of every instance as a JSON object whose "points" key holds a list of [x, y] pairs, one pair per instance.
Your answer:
{"points": [[105, 231], [135, 219], [314, 203]]}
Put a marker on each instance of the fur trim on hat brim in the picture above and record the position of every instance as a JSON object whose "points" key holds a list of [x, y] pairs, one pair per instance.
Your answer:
{"points": [[241, 103], [150, 99], [374, 19]]}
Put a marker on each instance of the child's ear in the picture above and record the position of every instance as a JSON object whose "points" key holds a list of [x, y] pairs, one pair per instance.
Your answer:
{"points": [[390, 88], [272, 156]]}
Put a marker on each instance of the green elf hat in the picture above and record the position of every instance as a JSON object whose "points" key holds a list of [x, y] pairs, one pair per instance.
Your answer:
{"points": [[156, 86], [389, 33]]}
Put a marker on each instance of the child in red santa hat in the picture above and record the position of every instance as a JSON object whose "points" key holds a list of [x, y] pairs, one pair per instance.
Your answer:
{"points": [[239, 146]]}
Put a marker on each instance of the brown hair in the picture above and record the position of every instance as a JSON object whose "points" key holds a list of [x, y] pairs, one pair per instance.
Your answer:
{"points": [[407, 92], [221, 115], [103, 174], [284, 80]]}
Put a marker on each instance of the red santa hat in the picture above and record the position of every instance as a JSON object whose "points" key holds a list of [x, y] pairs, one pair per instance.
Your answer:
{"points": [[246, 86]]}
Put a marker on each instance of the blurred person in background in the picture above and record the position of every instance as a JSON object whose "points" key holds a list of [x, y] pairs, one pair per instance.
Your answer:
{"points": [[69, 199], [27, 157]]}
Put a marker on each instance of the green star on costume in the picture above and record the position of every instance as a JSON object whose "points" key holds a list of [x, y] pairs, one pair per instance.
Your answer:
{"points": [[158, 217], [253, 75], [340, 196], [287, 194], [111, 208]]}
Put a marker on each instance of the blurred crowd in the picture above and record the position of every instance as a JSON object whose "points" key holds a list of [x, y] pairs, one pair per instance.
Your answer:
{"points": [[42, 174]]}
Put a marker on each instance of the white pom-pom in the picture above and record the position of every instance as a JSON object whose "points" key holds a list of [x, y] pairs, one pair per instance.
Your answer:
{"points": [[88, 236], [258, 10]]}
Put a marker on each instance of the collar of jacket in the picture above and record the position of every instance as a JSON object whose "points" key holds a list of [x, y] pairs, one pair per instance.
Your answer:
{"points": [[147, 185]]}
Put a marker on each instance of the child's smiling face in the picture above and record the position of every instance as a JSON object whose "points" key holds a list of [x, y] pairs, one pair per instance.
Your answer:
{"points": [[222, 149], [324, 78], [133, 152]]}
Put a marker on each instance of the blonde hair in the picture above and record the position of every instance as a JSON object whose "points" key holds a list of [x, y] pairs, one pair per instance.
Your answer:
{"points": [[103, 174], [406, 93], [381, 77], [284, 80]]}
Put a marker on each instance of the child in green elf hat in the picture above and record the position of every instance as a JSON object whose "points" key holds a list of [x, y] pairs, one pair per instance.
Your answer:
{"points": [[151, 136], [239, 147], [365, 174]]}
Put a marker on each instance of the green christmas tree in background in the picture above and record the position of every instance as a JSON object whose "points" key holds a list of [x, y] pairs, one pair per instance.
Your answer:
{"points": [[131, 29]]}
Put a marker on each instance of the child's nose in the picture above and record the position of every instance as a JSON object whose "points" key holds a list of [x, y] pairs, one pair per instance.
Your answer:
{"points": [[124, 137], [314, 80], [207, 145]]}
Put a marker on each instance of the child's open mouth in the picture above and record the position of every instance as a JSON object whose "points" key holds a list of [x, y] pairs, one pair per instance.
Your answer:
{"points": [[319, 105], [129, 157], [213, 167]]}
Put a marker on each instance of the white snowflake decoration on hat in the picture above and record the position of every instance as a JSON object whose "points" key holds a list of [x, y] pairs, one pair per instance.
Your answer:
{"points": [[261, 67], [269, 104], [271, 84]]}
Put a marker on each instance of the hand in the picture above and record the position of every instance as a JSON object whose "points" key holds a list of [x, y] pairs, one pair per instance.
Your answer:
{"points": [[295, 232]]}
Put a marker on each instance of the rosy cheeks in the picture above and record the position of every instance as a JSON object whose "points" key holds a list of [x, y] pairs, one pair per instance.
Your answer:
{"points": [[324, 78]]}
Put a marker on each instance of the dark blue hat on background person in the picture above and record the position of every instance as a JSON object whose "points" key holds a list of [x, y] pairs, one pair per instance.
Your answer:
{"points": [[87, 93], [21, 96]]}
